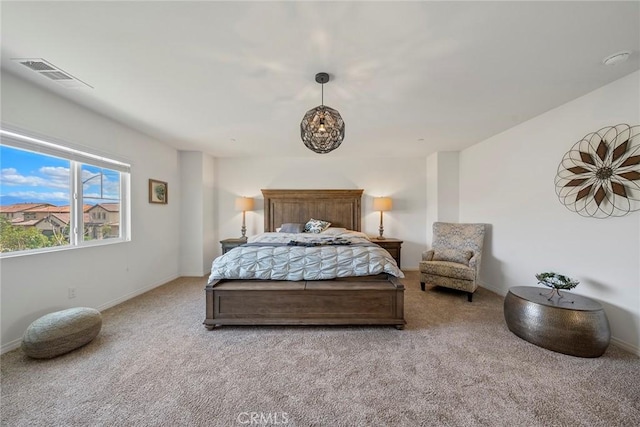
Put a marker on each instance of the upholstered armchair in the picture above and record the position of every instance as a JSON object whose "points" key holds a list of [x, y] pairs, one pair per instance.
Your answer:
{"points": [[454, 260]]}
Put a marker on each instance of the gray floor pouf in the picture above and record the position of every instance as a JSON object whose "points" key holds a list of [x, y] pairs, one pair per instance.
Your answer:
{"points": [[57, 333]]}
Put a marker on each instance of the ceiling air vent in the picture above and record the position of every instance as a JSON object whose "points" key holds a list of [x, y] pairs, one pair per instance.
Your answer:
{"points": [[37, 65], [57, 75], [54, 73]]}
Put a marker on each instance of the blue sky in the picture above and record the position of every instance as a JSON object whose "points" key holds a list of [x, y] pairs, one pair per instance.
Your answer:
{"points": [[28, 177]]}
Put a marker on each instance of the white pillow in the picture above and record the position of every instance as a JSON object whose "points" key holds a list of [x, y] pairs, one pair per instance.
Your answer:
{"points": [[334, 231], [344, 232], [359, 234]]}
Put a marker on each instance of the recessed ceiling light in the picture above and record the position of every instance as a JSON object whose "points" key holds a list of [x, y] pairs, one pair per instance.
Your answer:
{"points": [[616, 58]]}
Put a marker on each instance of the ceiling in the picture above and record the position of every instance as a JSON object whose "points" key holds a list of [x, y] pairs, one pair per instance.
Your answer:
{"points": [[409, 78]]}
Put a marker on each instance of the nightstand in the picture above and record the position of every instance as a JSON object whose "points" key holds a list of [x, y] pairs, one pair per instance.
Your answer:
{"points": [[393, 246], [228, 244]]}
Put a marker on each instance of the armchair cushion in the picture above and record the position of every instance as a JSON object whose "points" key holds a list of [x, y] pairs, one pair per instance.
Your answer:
{"points": [[427, 255], [453, 255], [448, 269]]}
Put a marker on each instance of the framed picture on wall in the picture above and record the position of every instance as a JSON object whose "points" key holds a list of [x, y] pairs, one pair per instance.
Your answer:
{"points": [[158, 192]]}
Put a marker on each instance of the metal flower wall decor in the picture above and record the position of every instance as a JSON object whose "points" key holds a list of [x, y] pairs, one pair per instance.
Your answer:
{"points": [[600, 176]]}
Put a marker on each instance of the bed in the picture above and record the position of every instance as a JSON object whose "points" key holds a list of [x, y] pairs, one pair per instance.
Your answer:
{"points": [[370, 299]]}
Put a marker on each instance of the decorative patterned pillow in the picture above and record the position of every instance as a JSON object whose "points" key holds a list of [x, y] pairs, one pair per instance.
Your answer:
{"points": [[453, 255], [291, 227], [316, 226]]}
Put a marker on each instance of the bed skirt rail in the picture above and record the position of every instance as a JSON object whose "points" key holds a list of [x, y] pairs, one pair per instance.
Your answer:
{"points": [[367, 300]]}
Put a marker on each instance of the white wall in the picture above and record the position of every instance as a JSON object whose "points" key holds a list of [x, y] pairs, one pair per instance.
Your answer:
{"points": [[37, 284], [197, 237], [432, 195], [210, 240], [404, 180], [508, 182], [443, 174]]}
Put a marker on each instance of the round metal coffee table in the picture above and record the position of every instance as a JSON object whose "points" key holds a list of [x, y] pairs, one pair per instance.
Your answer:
{"points": [[571, 324]]}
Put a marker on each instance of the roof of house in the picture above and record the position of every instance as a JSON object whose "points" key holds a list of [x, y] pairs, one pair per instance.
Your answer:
{"points": [[110, 207], [62, 217], [26, 223], [20, 207], [18, 218], [48, 209], [66, 217], [56, 209]]}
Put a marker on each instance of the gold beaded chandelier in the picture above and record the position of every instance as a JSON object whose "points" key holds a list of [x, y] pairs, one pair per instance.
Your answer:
{"points": [[322, 128]]}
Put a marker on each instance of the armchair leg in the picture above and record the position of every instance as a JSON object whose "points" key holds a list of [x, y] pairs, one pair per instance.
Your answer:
{"points": [[469, 296], [422, 285]]}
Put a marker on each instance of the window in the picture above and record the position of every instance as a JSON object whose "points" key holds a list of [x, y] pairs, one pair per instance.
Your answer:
{"points": [[53, 196]]}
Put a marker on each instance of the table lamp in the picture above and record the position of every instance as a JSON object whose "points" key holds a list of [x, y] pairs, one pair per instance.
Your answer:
{"points": [[382, 204], [244, 204]]}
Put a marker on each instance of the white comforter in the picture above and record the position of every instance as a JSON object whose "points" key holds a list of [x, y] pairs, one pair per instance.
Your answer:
{"points": [[282, 262]]}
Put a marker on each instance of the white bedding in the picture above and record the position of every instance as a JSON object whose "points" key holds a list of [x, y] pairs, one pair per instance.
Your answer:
{"points": [[328, 260]]}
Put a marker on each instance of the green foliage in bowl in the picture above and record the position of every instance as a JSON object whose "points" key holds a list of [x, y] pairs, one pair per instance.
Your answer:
{"points": [[556, 281]]}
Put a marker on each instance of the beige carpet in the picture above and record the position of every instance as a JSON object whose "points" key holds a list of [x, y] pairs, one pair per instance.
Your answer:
{"points": [[456, 364]]}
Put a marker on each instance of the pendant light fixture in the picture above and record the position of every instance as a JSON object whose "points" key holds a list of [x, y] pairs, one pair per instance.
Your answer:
{"points": [[322, 128]]}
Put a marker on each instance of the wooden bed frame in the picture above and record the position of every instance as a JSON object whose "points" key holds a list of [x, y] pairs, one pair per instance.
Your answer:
{"points": [[367, 300]]}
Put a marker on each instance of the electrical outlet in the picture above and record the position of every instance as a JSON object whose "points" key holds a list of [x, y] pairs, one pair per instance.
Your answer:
{"points": [[72, 293]]}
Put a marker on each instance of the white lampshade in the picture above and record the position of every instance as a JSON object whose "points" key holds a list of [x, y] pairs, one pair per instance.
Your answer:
{"points": [[382, 204], [244, 204]]}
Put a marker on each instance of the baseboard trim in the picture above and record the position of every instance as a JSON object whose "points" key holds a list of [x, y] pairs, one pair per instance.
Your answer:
{"points": [[617, 341], [492, 289], [135, 293], [625, 346], [12, 345]]}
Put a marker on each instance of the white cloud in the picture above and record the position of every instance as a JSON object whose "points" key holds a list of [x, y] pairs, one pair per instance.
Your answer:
{"points": [[92, 181], [58, 177], [53, 177]]}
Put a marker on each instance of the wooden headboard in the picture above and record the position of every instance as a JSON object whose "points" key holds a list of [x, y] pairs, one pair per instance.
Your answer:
{"points": [[340, 207]]}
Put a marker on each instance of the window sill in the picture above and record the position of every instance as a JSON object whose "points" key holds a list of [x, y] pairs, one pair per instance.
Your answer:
{"points": [[85, 245]]}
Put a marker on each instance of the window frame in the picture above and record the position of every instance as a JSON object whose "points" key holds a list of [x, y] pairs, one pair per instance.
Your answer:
{"points": [[77, 156]]}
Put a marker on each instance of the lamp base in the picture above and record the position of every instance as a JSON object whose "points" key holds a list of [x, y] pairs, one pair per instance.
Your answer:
{"points": [[244, 226]]}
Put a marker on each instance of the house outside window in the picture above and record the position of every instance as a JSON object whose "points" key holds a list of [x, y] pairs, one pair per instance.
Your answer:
{"points": [[55, 196]]}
